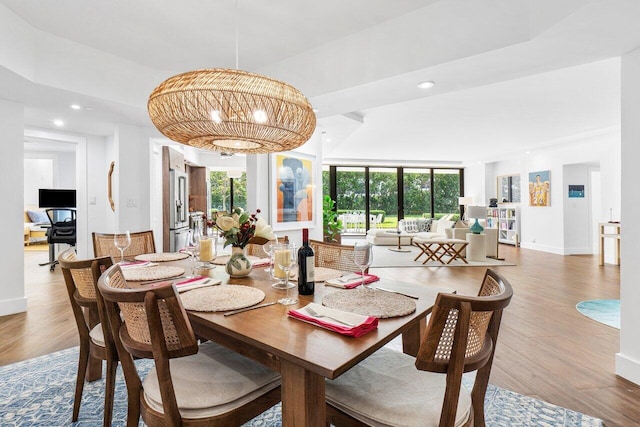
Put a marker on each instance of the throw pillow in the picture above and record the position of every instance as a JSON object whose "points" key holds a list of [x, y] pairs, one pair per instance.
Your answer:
{"points": [[433, 226], [423, 224], [460, 224], [410, 226], [38, 217]]}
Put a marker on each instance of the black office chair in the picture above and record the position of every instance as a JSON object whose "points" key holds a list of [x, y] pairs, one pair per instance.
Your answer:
{"points": [[62, 229]]}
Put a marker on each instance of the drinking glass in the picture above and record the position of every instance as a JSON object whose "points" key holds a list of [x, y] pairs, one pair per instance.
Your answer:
{"points": [[286, 259], [277, 273], [207, 251], [267, 248], [122, 241], [363, 257]]}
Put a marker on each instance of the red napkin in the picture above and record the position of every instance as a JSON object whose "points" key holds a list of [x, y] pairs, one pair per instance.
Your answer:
{"points": [[368, 278], [262, 262], [193, 279], [364, 324]]}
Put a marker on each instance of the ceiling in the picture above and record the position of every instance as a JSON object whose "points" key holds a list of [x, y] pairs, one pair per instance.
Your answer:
{"points": [[510, 75]]}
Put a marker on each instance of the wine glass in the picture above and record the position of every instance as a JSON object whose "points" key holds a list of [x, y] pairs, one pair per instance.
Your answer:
{"points": [[122, 241], [267, 248], [193, 246], [286, 259], [363, 257]]}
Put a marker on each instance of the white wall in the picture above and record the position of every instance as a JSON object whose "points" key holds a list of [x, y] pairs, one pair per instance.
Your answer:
{"points": [[12, 295], [38, 173], [628, 360], [543, 228], [578, 227], [47, 169]]}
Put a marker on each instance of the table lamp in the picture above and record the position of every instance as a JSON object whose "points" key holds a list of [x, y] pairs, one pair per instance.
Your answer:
{"points": [[477, 212]]}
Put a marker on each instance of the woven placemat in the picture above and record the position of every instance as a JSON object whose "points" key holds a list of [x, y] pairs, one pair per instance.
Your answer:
{"points": [[162, 257], [370, 303], [156, 272], [221, 298]]}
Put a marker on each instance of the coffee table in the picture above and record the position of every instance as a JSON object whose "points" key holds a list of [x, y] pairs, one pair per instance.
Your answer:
{"points": [[436, 249], [400, 234]]}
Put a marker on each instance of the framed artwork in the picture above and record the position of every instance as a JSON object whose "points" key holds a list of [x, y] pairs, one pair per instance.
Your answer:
{"points": [[291, 191], [539, 188], [576, 191]]}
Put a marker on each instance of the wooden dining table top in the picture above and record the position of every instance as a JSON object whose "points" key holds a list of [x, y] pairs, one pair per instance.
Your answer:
{"points": [[303, 353]]}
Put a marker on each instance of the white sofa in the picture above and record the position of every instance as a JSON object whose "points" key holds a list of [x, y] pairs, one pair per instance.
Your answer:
{"points": [[412, 227]]}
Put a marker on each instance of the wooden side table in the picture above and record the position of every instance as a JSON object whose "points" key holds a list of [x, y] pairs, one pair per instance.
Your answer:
{"points": [[610, 235]]}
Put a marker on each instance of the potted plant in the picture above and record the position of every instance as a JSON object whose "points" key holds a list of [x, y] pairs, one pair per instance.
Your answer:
{"points": [[331, 225]]}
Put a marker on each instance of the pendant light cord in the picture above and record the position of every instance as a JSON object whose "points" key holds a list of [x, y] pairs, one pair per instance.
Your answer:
{"points": [[237, 66]]}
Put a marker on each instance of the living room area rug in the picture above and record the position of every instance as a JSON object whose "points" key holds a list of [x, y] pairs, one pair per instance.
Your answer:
{"points": [[384, 257], [605, 311], [39, 392]]}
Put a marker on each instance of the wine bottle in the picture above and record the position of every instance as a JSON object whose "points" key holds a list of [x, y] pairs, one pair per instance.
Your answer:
{"points": [[306, 266]]}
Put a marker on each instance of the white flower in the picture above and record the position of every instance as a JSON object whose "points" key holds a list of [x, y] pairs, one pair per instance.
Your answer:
{"points": [[264, 230], [226, 223]]}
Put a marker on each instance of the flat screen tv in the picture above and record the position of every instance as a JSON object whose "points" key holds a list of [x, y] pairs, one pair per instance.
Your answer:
{"points": [[56, 198]]}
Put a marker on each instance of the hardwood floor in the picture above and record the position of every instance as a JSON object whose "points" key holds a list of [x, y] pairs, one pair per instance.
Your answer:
{"points": [[546, 349]]}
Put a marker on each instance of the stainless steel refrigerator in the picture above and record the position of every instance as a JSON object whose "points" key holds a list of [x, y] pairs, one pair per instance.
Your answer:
{"points": [[179, 209]]}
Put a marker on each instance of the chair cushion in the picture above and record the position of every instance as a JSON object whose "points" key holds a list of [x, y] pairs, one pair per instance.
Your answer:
{"points": [[97, 335], [212, 382], [386, 389]]}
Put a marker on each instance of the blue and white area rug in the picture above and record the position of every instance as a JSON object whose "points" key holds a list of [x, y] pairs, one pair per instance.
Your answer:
{"points": [[605, 311], [39, 392]]}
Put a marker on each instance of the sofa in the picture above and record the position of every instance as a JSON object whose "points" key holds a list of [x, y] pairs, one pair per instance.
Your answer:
{"points": [[420, 227], [34, 232]]}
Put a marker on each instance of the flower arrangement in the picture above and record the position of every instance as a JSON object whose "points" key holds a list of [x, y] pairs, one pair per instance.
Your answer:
{"points": [[239, 227]]}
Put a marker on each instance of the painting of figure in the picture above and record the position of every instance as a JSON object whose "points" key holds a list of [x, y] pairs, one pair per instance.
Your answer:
{"points": [[539, 188]]}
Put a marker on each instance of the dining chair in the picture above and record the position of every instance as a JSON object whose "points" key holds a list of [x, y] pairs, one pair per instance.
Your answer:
{"points": [[142, 242], [81, 278], [386, 388], [255, 249], [191, 384], [334, 255]]}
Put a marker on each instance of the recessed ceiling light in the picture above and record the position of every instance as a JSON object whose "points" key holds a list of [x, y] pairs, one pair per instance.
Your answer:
{"points": [[426, 85], [58, 122], [315, 110], [75, 106]]}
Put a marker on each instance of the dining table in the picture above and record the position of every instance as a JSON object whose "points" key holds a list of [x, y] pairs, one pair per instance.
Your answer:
{"points": [[305, 354]]}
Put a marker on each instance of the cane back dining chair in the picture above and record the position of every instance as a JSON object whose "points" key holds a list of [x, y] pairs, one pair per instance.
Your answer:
{"points": [[386, 389], [81, 278], [334, 255], [142, 242], [255, 249], [191, 384]]}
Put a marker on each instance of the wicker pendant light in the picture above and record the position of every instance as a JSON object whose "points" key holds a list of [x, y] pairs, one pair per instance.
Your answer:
{"points": [[231, 111]]}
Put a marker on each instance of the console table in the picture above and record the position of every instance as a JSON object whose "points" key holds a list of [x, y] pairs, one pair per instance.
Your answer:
{"points": [[607, 234]]}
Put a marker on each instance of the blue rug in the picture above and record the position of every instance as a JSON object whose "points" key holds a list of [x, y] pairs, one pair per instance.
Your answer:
{"points": [[39, 392], [605, 311]]}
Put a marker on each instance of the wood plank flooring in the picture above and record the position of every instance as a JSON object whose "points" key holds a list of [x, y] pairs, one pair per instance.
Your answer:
{"points": [[546, 349]]}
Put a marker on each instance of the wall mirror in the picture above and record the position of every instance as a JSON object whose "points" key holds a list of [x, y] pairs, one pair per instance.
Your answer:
{"points": [[509, 189]]}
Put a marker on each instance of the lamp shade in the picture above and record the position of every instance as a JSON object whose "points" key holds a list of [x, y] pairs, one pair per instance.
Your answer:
{"points": [[465, 201], [231, 111], [234, 173], [478, 212]]}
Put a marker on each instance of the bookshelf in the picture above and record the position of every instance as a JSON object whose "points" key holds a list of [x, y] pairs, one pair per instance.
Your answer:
{"points": [[507, 220]]}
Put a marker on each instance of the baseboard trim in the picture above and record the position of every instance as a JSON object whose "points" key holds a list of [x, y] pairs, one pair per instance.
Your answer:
{"points": [[628, 369], [13, 306]]}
